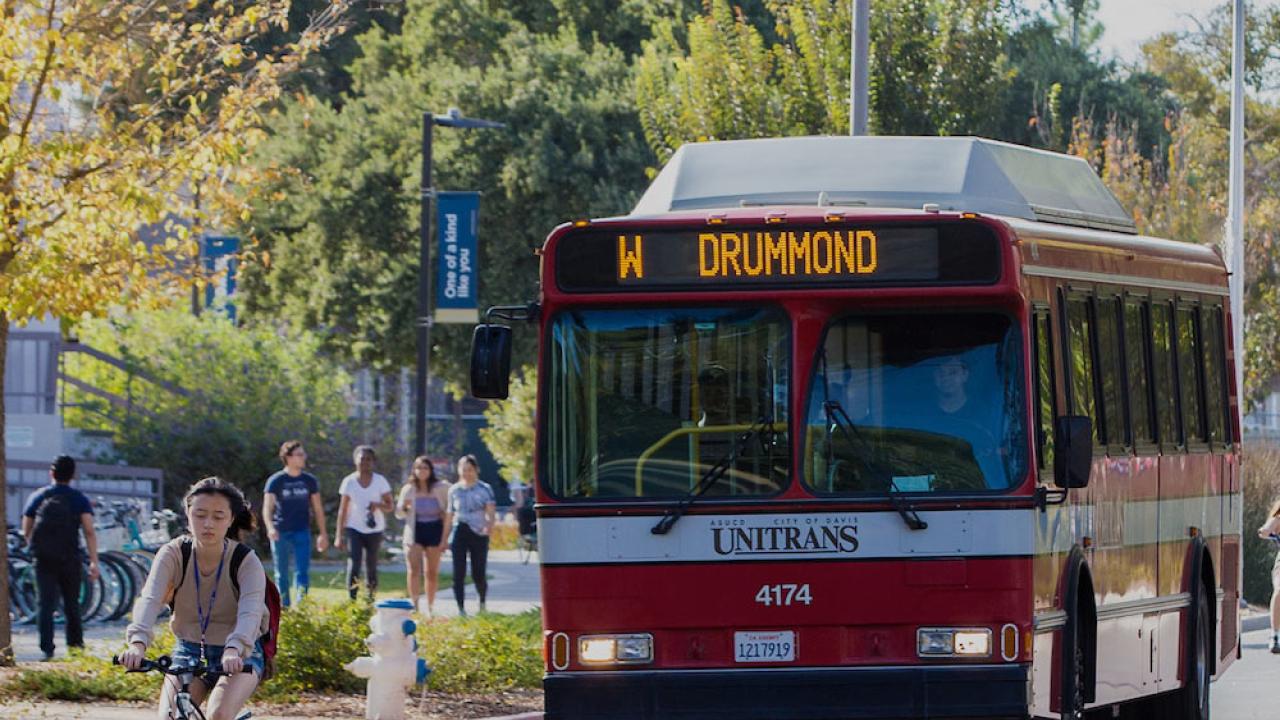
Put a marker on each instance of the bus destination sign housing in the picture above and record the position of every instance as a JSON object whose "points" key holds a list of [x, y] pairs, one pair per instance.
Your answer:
{"points": [[723, 256]]}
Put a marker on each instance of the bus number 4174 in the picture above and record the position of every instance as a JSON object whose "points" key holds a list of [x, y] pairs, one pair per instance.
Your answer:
{"points": [[783, 595]]}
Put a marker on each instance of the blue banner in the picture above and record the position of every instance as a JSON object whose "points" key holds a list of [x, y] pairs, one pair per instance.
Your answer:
{"points": [[220, 260], [457, 259]]}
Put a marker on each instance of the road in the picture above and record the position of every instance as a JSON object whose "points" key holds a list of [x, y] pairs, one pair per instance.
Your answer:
{"points": [[1248, 689]]}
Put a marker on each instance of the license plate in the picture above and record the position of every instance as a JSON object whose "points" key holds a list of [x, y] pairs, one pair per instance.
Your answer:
{"points": [[764, 647]]}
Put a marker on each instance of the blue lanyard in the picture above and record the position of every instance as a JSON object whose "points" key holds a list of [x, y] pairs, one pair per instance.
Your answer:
{"points": [[213, 596]]}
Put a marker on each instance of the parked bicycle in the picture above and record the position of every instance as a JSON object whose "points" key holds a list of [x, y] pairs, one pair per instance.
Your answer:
{"points": [[127, 546], [527, 543]]}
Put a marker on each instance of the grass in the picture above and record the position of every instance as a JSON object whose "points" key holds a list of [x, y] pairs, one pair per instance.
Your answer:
{"points": [[329, 587]]}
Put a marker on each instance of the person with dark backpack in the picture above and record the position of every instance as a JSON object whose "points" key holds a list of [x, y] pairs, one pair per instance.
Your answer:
{"points": [[51, 523], [225, 611]]}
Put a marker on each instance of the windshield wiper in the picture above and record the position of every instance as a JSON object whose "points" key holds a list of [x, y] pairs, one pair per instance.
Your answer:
{"points": [[840, 419], [710, 477]]}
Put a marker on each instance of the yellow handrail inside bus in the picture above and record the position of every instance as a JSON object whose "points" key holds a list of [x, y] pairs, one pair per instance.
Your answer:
{"points": [[691, 430]]}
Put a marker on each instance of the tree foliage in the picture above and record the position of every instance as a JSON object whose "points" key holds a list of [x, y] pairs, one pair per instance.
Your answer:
{"points": [[247, 389], [510, 435], [340, 227], [113, 113], [1056, 83], [935, 66]]}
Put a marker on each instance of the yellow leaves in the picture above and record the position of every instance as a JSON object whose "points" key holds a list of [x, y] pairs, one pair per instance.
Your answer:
{"points": [[232, 55], [140, 109]]}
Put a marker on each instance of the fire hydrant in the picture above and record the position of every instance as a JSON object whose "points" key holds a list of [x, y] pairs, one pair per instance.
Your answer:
{"points": [[392, 664]]}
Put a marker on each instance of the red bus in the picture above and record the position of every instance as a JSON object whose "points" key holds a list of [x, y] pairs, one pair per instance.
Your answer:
{"points": [[880, 428]]}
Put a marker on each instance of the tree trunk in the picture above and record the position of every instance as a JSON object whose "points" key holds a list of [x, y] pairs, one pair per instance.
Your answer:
{"points": [[6, 632]]}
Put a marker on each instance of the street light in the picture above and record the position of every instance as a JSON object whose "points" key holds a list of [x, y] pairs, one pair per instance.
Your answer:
{"points": [[453, 118]]}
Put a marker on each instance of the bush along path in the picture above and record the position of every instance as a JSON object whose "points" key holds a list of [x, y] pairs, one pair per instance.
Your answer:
{"points": [[491, 663]]}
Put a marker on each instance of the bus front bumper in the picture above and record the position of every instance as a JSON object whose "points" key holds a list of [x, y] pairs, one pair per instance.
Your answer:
{"points": [[864, 693]]}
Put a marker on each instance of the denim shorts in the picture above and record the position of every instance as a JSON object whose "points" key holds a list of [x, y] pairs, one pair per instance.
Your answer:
{"points": [[186, 653]]}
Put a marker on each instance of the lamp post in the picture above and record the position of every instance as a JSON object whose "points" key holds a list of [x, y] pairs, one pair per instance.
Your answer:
{"points": [[858, 44], [453, 118]]}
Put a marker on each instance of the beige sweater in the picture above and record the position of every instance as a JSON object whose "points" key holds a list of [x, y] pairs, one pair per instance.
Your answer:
{"points": [[233, 624]]}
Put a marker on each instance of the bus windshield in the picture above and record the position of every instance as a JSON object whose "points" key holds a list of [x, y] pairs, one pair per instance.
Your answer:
{"points": [[643, 403], [916, 404]]}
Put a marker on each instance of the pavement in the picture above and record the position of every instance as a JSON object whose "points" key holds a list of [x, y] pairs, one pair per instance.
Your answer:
{"points": [[1246, 691]]}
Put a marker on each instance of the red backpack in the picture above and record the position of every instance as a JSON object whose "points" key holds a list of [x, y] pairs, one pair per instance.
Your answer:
{"points": [[270, 638]]}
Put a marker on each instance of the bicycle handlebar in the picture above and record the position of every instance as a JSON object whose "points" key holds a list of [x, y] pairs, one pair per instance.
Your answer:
{"points": [[164, 664]]}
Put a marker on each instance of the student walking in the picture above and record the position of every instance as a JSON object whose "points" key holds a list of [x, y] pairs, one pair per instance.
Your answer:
{"points": [[289, 504], [423, 504], [365, 496], [217, 589], [474, 510], [52, 522], [1270, 530]]}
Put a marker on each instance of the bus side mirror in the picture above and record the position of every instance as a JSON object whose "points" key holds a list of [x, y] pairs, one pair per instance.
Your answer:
{"points": [[1073, 451], [491, 361]]}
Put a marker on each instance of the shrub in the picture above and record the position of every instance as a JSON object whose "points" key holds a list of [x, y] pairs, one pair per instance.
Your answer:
{"points": [[316, 640], [1261, 489], [481, 654], [84, 677], [503, 537], [485, 653]]}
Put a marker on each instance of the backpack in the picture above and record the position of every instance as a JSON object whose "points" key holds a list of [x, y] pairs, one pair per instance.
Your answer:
{"points": [[269, 638], [56, 533]]}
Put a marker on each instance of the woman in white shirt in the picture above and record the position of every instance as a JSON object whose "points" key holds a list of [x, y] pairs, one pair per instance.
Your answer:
{"points": [[365, 496], [423, 504]]}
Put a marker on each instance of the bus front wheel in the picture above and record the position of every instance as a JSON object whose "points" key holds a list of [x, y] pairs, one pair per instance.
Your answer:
{"points": [[1192, 701], [1073, 676]]}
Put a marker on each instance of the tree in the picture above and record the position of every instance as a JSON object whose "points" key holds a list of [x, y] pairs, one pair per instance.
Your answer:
{"points": [[1075, 17], [247, 389], [511, 434], [114, 115], [935, 66], [341, 227], [1054, 83]]}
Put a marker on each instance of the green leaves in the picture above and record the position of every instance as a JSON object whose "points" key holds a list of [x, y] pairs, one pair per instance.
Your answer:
{"points": [[935, 66], [510, 435], [248, 389], [343, 238]]}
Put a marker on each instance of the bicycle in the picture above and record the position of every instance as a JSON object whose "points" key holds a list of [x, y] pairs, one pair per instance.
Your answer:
{"points": [[527, 541], [183, 707]]}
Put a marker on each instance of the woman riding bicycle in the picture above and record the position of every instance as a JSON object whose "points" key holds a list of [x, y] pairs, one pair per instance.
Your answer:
{"points": [[211, 622]]}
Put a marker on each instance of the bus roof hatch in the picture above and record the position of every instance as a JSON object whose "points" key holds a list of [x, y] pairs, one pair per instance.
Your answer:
{"points": [[961, 174]]}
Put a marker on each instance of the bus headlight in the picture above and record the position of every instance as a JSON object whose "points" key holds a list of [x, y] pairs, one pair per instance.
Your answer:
{"points": [[973, 642], [615, 649], [951, 642]]}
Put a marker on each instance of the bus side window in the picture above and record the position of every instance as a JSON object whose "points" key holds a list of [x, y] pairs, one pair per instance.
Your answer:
{"points": [[1110, 370], [1189, 374], [1214, 368], [1080, 365], [1139, 371], [1045, 401], [1167, 420]]}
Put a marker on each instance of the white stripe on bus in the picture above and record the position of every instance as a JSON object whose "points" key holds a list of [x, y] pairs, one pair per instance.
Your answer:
{"points": [[881, 534]]}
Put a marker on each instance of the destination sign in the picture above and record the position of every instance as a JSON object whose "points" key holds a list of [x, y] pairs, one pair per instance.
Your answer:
{"points": [[954, 253]]}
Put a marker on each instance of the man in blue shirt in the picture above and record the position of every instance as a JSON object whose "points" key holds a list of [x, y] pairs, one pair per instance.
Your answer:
{"points": [[291, 500], [51, 524]]}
